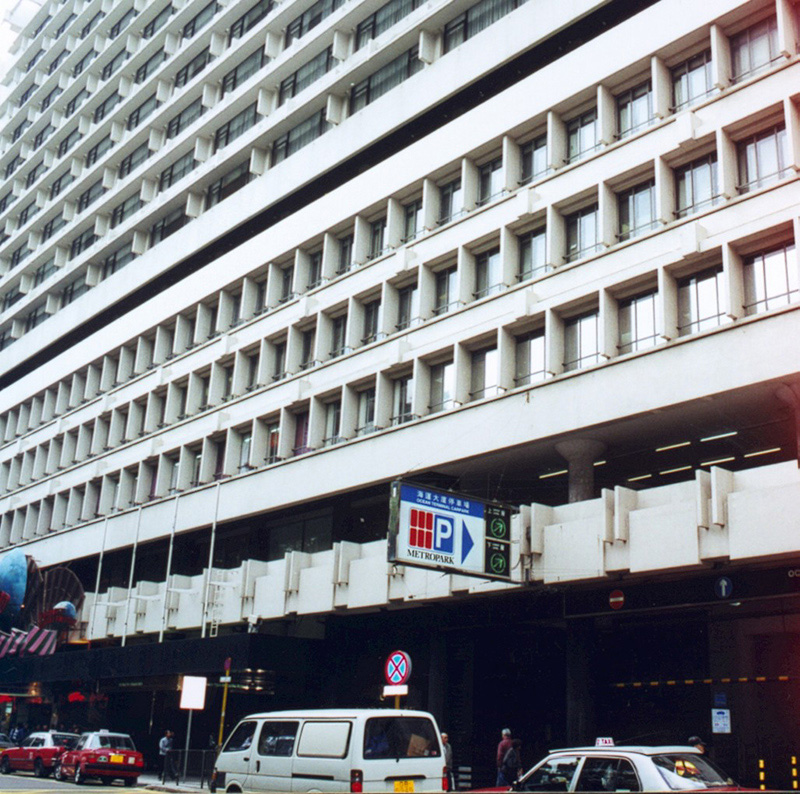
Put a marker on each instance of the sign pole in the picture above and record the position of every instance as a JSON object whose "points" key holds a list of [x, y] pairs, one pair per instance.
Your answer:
{"points": [[188, 734], [227, 677]]}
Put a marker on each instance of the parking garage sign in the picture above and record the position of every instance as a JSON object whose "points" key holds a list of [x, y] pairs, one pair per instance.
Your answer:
{"points": [[429, 528]]}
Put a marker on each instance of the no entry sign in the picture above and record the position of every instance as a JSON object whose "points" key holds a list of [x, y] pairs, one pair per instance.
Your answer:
{"points": [[616, 599], [397, 669]]}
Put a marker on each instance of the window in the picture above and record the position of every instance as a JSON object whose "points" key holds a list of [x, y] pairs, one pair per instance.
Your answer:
{"points": [[446, 290], [34, 173], [637, 322], [150, 66], [307, 344], [35, 317], [582, 136], [333, 417], [33, 61], [314, 269], [476, 19], [451, 201], [187, 116], [142, 112], [345, 254], [299, 136], [52, 226], [607, 774], [98, 150], [692, 80], [307, 74], [488, 273], [122, 23], [90, 25], [384, 18], [391, 75], [273, 443], [635, 109], [582, 233], [47, 101], [484, 373], [7, 201], [82, 242], [377, 237], [339, 336], [402, 400], [168, 225], [125, 209], [133, 160], [11, 297], [227, 185], [581, 339], [770, 279], [247, 68], [534, 159], [443, 386], [310, 18], [490, 181], [699, 304], [90, 195], [13, 166], [755, 49], [43, 135], [194, 67], [82, 64], [637, 210], [74, 290], [200, 20], [250, 19], [372, 311], [241, 738], [117, 260], [104, 107], [763, 159], [44, 271], [58, 60], [696, 185], [532, 254], [529, 358], [175, 172], [279, 361], [77, 101], [407, 306], [366, 412], [156, 24], [238, 125], [287, 280], [301, 434], [115, 63], [27, 213], [412, 220]]}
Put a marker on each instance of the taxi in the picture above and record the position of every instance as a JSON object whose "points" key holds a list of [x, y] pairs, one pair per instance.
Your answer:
{"points": [[606, 767], [39, 753], [104, 755]]}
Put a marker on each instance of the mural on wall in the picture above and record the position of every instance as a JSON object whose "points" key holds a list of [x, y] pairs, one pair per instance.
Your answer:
{"points": [[36, 611]]}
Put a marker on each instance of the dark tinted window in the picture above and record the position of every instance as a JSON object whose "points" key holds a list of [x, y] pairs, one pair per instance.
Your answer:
{"points": [[607, 774], [277, 738], [400, 737], [241, 738], [554, 774]]}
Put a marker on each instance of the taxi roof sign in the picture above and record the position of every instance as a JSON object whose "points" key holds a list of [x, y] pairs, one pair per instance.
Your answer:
{"points": [[603, 741]]}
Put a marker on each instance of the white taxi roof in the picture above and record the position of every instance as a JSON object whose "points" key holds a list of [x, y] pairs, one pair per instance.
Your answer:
{"points": [[637, 749], [336, 714]]}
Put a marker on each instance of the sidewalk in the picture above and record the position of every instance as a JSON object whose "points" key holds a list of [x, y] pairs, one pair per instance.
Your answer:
{"points": [[152, 781]]}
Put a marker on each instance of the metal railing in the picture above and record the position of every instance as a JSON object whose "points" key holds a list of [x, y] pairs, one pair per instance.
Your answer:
{"points": [[188, 767]]}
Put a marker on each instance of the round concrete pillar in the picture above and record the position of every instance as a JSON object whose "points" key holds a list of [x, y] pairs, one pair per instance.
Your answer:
{"points": [[580, 454]]}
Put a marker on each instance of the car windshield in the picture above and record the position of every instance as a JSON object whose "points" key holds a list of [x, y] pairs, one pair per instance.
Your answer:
{"points": [[400, 737], [114, 741], [65, 739], [684, 771]]}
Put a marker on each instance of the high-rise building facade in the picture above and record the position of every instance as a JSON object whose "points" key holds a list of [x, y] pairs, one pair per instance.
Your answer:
{"points": [[260, 259]]}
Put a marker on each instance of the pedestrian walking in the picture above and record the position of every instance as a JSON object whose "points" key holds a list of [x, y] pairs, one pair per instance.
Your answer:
{"points": [[512, 762], [502, 748], [448, 760], [165, 754]]}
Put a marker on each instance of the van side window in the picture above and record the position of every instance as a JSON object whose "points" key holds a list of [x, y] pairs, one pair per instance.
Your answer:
{"points": [[326, 739], [400, 737], [277, 738], [241, 738]]}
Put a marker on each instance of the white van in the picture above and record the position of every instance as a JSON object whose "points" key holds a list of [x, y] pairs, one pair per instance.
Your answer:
{"points": [[358, 750]]}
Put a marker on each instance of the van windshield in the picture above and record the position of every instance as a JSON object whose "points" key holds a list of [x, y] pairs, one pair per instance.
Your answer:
{"points": [[400, 737]]}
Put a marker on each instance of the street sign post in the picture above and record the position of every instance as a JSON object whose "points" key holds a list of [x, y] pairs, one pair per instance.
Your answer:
{"points": [[225, 679], [429, 528], [396, 671], [193, 696]]}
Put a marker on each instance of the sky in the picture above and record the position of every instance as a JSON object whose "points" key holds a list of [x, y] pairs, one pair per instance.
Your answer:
{"points": [[7, 35]]}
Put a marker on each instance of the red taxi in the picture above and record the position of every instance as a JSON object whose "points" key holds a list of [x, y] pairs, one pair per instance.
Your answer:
{"points": [[39, 754], [104, 755]]}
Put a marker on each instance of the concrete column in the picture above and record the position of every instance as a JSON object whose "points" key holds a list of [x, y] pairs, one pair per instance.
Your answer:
{"points": [[580, 454]]}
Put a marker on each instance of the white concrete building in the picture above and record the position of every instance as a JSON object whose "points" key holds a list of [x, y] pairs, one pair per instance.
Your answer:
{"points": [[260, 259]]}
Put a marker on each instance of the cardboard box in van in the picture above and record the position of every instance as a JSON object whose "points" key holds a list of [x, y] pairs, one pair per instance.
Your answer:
{"points": [[356, 750]]}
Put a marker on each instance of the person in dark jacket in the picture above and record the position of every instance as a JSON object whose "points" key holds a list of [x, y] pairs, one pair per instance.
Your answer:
{"points": [[502, 749]]}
